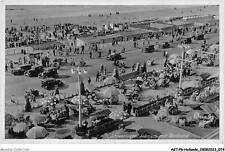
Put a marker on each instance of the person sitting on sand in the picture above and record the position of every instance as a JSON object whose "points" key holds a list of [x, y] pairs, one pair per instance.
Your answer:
{"points": [[124, 107]]}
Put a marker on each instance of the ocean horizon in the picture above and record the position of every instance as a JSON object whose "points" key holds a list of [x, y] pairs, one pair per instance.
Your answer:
{"points": [[55, 11]]}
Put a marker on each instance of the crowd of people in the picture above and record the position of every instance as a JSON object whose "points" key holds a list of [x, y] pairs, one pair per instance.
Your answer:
{"points": [[30, 35], [153, 79]]}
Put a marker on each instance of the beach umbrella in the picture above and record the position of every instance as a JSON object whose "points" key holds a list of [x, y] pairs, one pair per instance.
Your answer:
{"points": [[190, 84], [110, 80], [20, 127], [8, 119], [90, 87], [37, 132], [38, 119], [110, 91], [64, 133]]}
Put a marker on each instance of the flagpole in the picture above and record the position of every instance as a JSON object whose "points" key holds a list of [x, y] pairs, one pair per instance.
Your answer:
{"points": [[182, 61], [181, 69], [80, 119]]}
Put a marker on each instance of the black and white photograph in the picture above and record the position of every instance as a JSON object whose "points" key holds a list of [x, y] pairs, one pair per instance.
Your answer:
{"points": [[118, 72]]}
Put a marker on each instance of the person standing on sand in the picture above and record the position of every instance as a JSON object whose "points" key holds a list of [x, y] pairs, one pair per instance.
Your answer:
{"points": [[48, 54], [6, 67], [97, 76], [90, 54], [109, 53], [82, 49], [96, 48], [75, 50], [129, 108], [102, 68], [89, 80], [99, 54], [24, 60], [124, 107], [54, 52]]}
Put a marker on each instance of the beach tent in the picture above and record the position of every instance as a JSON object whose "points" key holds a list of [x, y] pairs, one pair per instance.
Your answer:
{"points": [[37, 132]]}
